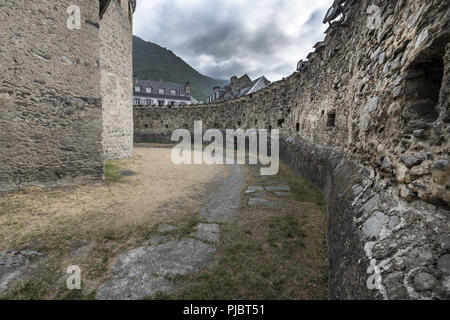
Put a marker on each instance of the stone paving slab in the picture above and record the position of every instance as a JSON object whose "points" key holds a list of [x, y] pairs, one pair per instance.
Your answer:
{"points": [[279, 182], [12, 266], [262, 202], [225, 200], [255, 188], [282, 193], [208, 232], [135, 288], [138, 273], [259, 194], [278, 188]]}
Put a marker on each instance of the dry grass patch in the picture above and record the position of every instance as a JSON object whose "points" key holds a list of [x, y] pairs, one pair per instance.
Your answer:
{"points": [[91, 225], [267, 254]]}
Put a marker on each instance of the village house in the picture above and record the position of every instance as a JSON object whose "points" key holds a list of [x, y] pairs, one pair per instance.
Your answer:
{"points": [[158, 94], [238, 87]]}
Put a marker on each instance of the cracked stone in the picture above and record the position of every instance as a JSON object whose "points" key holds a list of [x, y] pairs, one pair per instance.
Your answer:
{"points": [[370, 205]]}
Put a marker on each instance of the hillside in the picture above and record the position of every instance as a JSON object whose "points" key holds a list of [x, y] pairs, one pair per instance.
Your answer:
{"points": [[152, 62]]}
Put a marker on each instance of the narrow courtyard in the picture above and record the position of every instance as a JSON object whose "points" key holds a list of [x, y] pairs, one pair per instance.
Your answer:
{"points": [[155, 230]]}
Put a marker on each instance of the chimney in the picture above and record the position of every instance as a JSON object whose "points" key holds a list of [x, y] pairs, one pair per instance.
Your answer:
{"points": [[187, 89], [234, 83], [216, 93]]}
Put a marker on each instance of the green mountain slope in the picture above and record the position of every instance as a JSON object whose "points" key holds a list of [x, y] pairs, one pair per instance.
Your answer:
{"points": [[152, 62]]}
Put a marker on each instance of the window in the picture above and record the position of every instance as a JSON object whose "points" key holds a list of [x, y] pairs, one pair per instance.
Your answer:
{"points": [[280, 123], [161, 103], [173, 92], [181, 93], [297, 127], [172, 103], [423, 85], [162, 91], [331, 120], [149, 102], [137, 89], [148, 90]]}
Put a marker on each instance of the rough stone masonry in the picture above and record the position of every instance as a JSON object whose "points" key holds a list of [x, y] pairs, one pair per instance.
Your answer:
{"points": [[65, 96], [366, 119]]}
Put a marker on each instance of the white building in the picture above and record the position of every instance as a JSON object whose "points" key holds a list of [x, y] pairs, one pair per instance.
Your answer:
{"points": [[158, 94]]}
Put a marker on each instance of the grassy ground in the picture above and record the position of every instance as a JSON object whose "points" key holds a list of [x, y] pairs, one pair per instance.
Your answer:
{"points": [[91, 225], [267, 253]]}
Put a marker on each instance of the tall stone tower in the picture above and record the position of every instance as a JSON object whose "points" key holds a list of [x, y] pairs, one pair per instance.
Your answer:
{"points": [[117, 78], [58, 61]]}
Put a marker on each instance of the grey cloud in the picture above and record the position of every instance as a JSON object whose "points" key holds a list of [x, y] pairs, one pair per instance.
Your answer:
{"points": [[217, 30]]}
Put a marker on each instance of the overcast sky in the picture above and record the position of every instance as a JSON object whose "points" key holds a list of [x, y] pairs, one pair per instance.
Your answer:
{"points": [[222, 38]]}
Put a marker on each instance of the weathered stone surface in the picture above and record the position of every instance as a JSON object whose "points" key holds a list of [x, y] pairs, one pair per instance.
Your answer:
{"points": [[334, 135], [139, 273], [135, 288], [166, 228], [424, 281], [259, 195], [282, 194], [262, 202], [255, 188], [13, 264], [373, 225], [51, 100], [441, 172], [278, 188], [444, 264], [224, 200], [411, 160], [116, 81], [208, 232], [50, 121]]}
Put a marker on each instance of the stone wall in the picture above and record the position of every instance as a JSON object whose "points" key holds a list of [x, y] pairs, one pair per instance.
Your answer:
{"points": [[367, 121], [50, 108], [117, 81]]}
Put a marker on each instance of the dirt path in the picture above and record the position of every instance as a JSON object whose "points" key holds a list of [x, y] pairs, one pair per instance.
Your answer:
{"points": [[148, 270], [157, 230], [91, 225]]}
